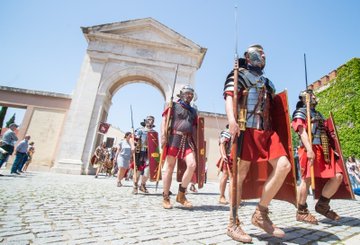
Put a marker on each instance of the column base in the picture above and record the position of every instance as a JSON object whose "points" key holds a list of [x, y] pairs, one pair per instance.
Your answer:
{"points": [[68, 166]]}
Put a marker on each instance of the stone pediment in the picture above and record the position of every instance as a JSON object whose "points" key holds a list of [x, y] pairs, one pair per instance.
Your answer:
{"points": [[141, 31]]}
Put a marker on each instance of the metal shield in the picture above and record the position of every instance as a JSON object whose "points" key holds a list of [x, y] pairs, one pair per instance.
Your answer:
{"points": [[345, 190], [153, 153], [259, 173]]}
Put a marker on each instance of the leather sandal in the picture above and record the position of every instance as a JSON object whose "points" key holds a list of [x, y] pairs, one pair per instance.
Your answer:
{"points": [[327, 212], [306, 217], [237, 234], [193, 188], [261, 219]]}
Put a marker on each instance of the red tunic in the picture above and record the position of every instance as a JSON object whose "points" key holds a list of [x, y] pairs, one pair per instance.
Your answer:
{"points": [[225, 165], [322, 169], [261, 146]]}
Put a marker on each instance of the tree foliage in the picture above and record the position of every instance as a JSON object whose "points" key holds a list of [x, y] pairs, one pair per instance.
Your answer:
{"points": [[342, 98], [2, 116], [10, 121]]}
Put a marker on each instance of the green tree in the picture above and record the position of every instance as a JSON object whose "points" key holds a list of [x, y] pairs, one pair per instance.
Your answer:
{"points": [[10, 121], [343, 100], [2, 116]]}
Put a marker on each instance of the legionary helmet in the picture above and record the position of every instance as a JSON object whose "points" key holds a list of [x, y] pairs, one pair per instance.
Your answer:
{"points": [[148, 120], [187, 89], [313, 99], [255, 55]]}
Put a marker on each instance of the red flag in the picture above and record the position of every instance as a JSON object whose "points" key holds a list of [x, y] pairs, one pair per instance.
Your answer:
{"points": [[104, 127]]}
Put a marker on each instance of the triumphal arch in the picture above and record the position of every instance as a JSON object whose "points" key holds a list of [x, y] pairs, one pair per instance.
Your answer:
{"points": [[118, 54]]}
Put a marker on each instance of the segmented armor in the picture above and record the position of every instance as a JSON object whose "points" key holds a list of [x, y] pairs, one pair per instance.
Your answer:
{"points": [[260, 91], [318, 130], [317, 120], [225, 136]]}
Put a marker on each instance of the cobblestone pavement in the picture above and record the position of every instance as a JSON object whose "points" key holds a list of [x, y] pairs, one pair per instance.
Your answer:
{"points": [[40, 208]]}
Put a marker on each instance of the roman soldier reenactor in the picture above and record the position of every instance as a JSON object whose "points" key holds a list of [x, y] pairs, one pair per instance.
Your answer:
{"points": [[261, 144], [224, 164], [180, 144], [142, 154], [318, 152]]}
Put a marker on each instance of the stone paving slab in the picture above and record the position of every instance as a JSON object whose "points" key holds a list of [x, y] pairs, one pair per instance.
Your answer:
{"points": [[50, 208]]}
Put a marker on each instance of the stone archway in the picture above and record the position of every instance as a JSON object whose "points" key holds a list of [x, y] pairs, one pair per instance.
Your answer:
{"points": [[105, 94], [118, 54]]}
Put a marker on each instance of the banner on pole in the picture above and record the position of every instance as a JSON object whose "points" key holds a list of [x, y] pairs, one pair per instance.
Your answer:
{"points": [[103, 127]]}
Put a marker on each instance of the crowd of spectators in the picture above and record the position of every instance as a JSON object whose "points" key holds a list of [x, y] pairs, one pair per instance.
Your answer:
{"points": [[23, 150]]}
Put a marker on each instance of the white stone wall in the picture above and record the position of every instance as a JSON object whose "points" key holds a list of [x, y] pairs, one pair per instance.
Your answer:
{"points": [[45, 128]]}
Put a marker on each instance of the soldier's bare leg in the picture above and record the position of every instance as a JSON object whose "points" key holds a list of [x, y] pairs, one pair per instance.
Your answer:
{"points": [[167, 179], [303, 214], [136, 177], [188, 174], [223, 182], [332, 185], [144, 178], [190, 168], [98, 170], [281, 167], [303, 190]]}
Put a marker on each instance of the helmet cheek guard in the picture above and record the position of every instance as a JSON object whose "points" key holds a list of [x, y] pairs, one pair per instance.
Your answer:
{"points": [[255, 56]]}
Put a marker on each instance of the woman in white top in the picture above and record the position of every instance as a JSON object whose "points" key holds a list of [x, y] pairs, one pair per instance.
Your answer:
{"points": [[123, 156]]}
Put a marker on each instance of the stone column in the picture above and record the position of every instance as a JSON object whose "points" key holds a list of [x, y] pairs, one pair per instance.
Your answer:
{"points": [[69, 159]]}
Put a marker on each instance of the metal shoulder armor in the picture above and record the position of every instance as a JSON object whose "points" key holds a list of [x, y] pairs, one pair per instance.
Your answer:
{"points": [[300, 113], [270, 86], [225, 134], [224, 137], [244, 80]]}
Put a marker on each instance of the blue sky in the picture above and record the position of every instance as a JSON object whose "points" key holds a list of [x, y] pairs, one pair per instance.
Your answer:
{"points": [[42, 46]]}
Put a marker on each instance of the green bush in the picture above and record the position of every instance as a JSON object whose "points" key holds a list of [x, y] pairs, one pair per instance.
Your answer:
{"points": [[343, 100]]}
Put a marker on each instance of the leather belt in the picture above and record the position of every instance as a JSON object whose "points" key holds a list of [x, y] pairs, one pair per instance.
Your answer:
{"points": [[180, 133]]}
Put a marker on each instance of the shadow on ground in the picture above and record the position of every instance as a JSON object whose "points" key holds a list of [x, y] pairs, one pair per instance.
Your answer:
{"points": [[311, 236]]}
